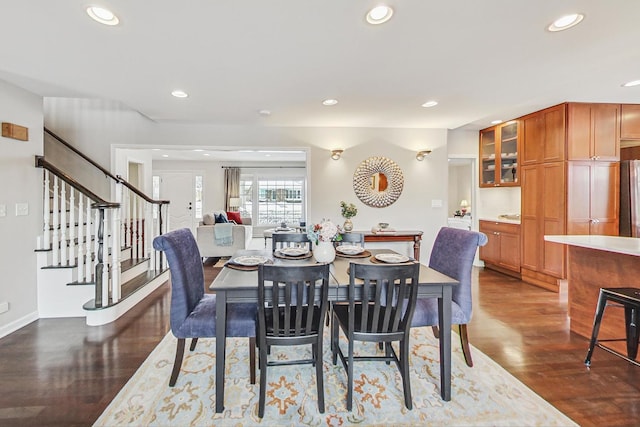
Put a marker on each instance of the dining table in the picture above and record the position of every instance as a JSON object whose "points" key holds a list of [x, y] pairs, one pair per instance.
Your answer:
{"points": [[235, 284]]}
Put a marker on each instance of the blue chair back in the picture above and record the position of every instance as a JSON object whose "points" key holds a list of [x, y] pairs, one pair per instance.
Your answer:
{"points": [[452, 254], [187, 275]]}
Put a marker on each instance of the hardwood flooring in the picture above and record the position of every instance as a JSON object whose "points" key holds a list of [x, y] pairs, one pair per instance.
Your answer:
{"points": [[60, 372]]}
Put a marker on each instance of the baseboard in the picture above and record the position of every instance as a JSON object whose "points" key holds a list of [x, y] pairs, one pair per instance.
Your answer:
{"points": [[18, 323]]}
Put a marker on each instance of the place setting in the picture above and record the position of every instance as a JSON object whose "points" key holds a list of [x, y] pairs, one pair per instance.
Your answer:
{"points": [[391, 258], [352, 251], [248, 262], [293, 252]]}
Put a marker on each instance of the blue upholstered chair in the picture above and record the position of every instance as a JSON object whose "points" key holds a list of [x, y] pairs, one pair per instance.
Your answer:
{"points": [[452, 254], [193, 313]]}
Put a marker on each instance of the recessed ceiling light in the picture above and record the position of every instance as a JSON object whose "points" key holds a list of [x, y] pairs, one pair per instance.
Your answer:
{"points": [[329, 102], [566, 22], [206, 154], [379, 15], [198, 149], [430, 104], [165, 155], [179, 93], [495, 122], [102, 15], [264, 113], [632, 83], [155, 149]]}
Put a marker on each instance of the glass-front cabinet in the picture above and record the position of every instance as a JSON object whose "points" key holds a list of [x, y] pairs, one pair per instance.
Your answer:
{"points": [[499, 155]]}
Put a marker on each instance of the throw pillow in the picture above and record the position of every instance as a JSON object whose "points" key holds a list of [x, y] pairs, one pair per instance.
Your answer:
{"points": [[220, 218], [234, 216], [208, 219]]}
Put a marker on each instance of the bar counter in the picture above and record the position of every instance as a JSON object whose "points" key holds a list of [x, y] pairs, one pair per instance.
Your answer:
{"points": [[596, 262]]}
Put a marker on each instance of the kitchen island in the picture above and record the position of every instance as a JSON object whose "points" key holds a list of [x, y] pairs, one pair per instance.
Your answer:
{"points": [[596, 262]]}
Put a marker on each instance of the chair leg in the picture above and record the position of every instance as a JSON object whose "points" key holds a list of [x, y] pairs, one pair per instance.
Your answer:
{"points": [[194, 341], [350, 377], [404, 371], [464, 341], [177, 363], [602, 304], [263, 380], [319, 374], [252, 360], [334, 340], [436, 332]]}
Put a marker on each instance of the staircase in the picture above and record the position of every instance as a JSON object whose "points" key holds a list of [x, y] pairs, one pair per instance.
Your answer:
{"points": [[95, 257]]}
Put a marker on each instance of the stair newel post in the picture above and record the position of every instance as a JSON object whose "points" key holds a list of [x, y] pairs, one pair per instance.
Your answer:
{"points": [[99, 262], [55, 244], [116, 247], [81, 245], [64, 259], [72, 224], [46, 212], [88, 235]]}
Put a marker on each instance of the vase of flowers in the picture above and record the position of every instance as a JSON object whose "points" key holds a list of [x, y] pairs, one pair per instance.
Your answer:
{"points": [[323, 235], [349, 210]]}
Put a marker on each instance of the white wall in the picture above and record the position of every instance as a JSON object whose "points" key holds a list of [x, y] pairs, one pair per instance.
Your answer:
{"points": [[21, 182]]}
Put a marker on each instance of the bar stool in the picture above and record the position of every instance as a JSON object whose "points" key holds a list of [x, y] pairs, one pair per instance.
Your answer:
{"points": [[629, 298]]}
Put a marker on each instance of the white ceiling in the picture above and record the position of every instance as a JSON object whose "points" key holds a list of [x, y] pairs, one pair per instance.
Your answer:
{"points": [[481, 60]]}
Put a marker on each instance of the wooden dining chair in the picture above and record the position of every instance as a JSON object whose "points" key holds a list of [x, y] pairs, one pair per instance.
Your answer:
{"points": [[379, 311], [283, 240], [351, 239], [292, 305], [193, 313]]}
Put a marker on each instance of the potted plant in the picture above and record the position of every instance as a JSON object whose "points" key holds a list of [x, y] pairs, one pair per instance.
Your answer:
{"points": [[349, 210]]}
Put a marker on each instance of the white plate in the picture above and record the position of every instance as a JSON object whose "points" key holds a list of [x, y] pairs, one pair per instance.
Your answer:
{"points": [[293, 251], [392, 258], [350, 249], [250, 260]]}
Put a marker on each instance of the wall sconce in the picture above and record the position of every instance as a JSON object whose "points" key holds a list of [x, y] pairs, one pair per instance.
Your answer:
{"points": [[335, 154], [422, 154], [234, 202]]}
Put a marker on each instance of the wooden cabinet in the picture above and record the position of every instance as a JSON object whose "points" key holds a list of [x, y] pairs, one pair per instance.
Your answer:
{"points": [[593, 197], [502, 251], [499, 147], [543, 138], [629, 121], [593, 131]]}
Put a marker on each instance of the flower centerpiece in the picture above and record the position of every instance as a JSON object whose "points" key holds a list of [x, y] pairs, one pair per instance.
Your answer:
{"points": [[322, 235], [349, 210]]}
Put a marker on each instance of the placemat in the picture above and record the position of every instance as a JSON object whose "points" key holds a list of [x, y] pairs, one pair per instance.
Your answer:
{"points": [[364, 254]]}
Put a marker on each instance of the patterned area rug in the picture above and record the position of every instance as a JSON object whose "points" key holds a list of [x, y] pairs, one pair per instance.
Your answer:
{"points": [[485, 395]]}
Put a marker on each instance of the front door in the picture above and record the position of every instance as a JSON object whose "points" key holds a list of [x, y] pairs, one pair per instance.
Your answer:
{"points": [[179, 189]]}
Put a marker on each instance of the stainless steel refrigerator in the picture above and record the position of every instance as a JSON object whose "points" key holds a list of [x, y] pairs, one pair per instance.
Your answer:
{"points": [[630, 198]]}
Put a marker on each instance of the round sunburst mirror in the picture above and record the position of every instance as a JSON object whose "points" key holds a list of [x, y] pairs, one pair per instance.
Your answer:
{"points": [[378, 182]]}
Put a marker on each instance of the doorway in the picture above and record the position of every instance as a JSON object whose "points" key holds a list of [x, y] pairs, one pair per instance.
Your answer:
{"points": [[462, 188], [179, 188]]}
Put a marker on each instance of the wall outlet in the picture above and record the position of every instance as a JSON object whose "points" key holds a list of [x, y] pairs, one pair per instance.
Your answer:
{"points": [[3, 210], [4, 307], [22, 209]]}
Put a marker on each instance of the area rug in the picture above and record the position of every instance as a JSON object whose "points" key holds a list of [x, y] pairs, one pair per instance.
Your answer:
{"points": [[485, 395]]}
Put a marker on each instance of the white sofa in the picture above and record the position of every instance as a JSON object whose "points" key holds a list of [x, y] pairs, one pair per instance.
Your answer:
{"points": [[205, 237]]}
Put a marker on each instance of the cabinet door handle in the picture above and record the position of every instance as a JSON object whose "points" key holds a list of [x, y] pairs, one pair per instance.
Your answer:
{"points": [[496, 233]]}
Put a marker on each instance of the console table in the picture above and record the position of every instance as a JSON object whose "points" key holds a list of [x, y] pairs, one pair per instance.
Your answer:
{"points": [[396, 236]]}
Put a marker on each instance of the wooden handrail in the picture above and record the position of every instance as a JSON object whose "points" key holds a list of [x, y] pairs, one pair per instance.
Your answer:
{"points": [[75, 150], [140, 193], [42, 163]]}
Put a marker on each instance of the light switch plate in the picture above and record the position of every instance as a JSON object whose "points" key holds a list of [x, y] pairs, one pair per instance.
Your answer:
{"points": [[22, 209], [437, 203], [3, 210]]}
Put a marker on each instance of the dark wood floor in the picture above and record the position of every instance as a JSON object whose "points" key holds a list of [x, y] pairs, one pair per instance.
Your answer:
{"points": [[60, 372]]}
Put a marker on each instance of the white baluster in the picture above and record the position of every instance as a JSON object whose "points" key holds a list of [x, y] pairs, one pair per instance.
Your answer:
{"points": [[72, 224], [96, 225], [81, 245], [124, 209], [115, 256], [141, 224], [55, 244], [64, 260], [46, 212]]}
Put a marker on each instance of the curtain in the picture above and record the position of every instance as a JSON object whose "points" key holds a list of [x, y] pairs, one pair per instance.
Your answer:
{"points": [[231, 186]]}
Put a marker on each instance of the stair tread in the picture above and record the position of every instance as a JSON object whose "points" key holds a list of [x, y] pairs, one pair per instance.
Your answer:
{"points": [[130, 287]]}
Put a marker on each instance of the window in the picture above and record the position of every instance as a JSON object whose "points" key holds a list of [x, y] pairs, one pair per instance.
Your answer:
{"points": [[279, 198], [198, 191]]}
